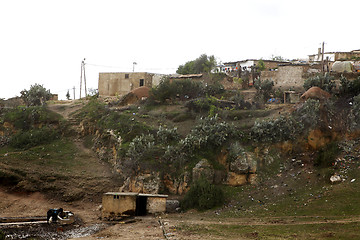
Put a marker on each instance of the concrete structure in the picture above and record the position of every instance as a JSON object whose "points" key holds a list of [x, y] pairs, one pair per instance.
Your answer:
{"points": [[248, 64], [334, 56], [117, 204], [120, 83]]}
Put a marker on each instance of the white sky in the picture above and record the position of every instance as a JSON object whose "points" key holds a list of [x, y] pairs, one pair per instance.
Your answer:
{"points": [[44, 42]]}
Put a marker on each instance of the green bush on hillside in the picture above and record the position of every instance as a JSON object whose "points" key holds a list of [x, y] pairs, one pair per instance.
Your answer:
{"points": [[288, 128], [37, 95], [351, 88], [275, 130], [203, 196], [208, 133], [183, 90], [124, 125], [263, 89], [176, 89], [167, 135], [33, 137], [325, 82], [25, 118]]}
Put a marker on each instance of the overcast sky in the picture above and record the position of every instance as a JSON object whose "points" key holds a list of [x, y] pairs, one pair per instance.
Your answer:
{"points": [[44, 42]]}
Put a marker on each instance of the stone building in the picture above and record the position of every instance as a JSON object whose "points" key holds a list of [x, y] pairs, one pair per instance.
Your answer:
{"points": [[291, 76], [121, 83], [119, 204]]}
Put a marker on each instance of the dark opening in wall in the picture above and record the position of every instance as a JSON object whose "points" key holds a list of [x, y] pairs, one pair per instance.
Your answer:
{"points": [[141, 202], [141, 82]]}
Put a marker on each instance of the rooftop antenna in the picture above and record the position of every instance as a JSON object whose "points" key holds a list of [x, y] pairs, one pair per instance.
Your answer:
{"points": [[134, 63]]}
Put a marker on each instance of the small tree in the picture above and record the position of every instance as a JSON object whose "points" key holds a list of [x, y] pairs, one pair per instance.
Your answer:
{"points": [[263, 89], [202, 64], [260, 66], [36, 96], [68, 95]]}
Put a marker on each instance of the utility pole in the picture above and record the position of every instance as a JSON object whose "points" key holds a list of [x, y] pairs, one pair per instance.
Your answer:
{"points": [[74, 92], [322, 57], [81, 77], [322, 63], [134, 63]]}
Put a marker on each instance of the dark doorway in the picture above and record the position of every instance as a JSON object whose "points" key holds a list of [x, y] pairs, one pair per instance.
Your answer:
{"points": [[141, 82], [141, 203]]}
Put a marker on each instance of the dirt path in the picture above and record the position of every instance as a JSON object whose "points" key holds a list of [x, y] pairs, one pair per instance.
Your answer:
{"points": [[66, 107]]}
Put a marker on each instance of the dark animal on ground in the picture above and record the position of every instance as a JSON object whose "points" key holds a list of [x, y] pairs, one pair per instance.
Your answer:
{"points": [[53, 214]]}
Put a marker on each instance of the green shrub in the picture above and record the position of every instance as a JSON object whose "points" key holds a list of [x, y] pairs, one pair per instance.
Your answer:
{"points": [[203, 195], [2, 235], [351, 88], [275, 130], [176, 89], [25, 118], [325, 82], [202, 105], [213, 89], [208, 133], [139, 145], [166, 135], [263, 89], [122, 124], [37, 95], [33, 137], [308, 115]]}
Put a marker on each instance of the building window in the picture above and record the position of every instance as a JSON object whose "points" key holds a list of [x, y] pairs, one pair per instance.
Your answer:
{"points": [[126, 75], [141, 82]]}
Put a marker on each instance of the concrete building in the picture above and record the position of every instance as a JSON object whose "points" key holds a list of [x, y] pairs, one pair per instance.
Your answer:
{"points": [[248, 64], [121, 83], [118, 204], [334, 56]]}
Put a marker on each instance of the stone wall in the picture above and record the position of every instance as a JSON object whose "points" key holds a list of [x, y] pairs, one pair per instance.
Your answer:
{"points": [[290, 77]]}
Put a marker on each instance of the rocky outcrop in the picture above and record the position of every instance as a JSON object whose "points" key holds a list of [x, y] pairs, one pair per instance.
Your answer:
{"points": [[203, 169], [177, 185], [143, 183], [242, 170]]}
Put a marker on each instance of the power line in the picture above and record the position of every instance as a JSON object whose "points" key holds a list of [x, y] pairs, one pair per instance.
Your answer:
{"points": [[107, 66]]}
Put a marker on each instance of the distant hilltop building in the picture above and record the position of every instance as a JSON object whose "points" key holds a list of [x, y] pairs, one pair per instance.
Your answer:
{"points": [[121, 83], [334, 56]]}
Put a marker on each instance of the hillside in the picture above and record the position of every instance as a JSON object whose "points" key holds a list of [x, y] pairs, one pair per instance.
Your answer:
{"points": [[274, 163]]}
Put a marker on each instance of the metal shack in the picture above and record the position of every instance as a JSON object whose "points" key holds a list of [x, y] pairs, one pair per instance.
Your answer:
{"points": [[118, 204]]}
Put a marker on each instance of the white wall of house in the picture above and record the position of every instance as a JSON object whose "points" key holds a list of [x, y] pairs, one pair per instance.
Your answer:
{"points": [[248, 64]]}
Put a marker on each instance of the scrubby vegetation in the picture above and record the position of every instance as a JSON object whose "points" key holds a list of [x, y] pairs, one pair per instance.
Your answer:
{"points": [[203, 196], [31, 126], [325, 82], [264, 89], [289, 127], [37, 95], [172, 90]]}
